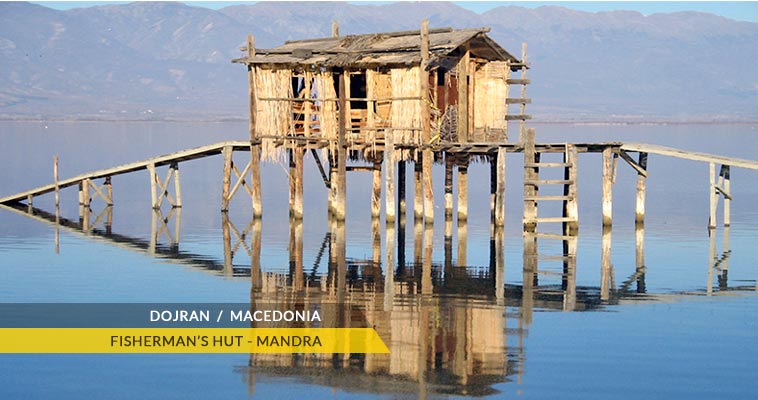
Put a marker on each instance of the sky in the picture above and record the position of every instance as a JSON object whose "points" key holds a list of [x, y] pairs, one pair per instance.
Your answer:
{"points": [[738, 10]]}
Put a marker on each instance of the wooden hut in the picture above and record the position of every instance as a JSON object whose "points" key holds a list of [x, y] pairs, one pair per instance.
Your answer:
{"points": [[348, 93]]}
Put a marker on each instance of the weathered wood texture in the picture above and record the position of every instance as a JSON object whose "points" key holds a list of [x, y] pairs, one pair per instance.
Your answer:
{"points": [[607, 201]]}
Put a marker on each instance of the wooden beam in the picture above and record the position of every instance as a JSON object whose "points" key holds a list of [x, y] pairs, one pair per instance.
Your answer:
{"points": [[340, 198], [255, 149], [690, 155], [153, 183], [463, 93], [462, 188], [637, 167]]}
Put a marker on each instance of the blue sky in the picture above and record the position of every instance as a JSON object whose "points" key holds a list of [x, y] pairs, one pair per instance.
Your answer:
{"points": [[739, 10]]}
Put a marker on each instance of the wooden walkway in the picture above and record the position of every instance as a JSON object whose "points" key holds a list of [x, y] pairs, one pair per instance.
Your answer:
{"points": [[167, 159]]}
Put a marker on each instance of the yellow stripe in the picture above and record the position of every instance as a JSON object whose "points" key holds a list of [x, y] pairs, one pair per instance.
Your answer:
{"points": [[191, 340]]}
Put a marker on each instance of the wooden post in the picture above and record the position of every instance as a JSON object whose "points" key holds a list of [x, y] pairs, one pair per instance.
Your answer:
{"points": [[376, 194], [462, 187], [725, 175], [108, 190], [401, 188], [713, 196], [462, 243], [571, 204], [418, 192], [227, 237], [522, 124], [448, 186], [639, 211], [530, 176], [255, 149], [389, 178], [607, 186], [500, 188], [86, 197], [463, 100], [493, 186], [177, 184], [335, 29], [427, 155], [339, 206], [227, 178], [296, 182], [153, 182], [55, 180]]}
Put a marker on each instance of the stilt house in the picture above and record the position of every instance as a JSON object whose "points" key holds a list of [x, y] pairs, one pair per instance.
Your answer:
{"points": [[422, 87]]}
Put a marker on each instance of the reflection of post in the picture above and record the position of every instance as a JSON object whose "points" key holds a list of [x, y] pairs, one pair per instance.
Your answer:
{"points": [[418, 240], [448, 243], [57, 229], [725, 259], [605, 264], [153, 232], [499, 263], [228, 255], [401, 241], [712, 195], [711, 261], [255, 257], [109, 221], [639, 235], [530, 272], [426, 278], [296, 253], [462, 243], [418, 189], [376, 242], [389, 269], [569, 273]]}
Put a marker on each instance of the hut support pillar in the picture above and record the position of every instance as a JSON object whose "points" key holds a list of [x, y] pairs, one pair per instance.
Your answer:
{"points": [[401, 188], [725, 189], [339, 183], [376, 192], [296, 156], [530, 175], [389, 180], [418, 192], [255, 148], [608, 178], [463, 188], [500, 188], [571, 204], [448, 187], [427, 157], [639, 210]]}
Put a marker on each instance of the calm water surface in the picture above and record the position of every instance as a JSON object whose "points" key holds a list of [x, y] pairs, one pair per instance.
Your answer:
{"points": [[678, 323]]}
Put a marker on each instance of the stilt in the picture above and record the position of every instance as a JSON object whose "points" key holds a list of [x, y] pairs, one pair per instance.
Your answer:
{"points": [[108, 190], [401, 210], [427, 157], [639, 210], [530, 175], [713, 195], [571, 204], [153, 182], [255, 149], [55, 180], [86, 197], [227, 178], [726, 186], [418, 192], [448, 186], [296, 182], [499, 199], [339, 183], [389, 179], [607, 186], [227, 237], [376, 193], [462, 187], [178, 185]]}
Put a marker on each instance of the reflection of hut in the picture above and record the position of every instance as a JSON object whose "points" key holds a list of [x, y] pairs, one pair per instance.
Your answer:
{"points": [[462, 89]]}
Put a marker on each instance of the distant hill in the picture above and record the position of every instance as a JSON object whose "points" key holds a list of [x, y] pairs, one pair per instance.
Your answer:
{"points": [[171, 60]]}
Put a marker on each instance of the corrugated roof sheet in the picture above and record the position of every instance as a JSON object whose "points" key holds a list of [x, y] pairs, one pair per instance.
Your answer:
{"points": [[391, 48]]}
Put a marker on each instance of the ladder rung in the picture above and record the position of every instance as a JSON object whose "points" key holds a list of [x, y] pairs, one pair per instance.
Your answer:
{"points": [[539, 198], [554, 273], [553, 236], [517, 117], [547, 164], [554, 219], [518, 81], [518, 101], [549, 182]]}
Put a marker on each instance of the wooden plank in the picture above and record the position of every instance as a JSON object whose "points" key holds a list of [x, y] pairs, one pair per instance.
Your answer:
{"points": [[518, 81], [690, 155], [640, 170]]}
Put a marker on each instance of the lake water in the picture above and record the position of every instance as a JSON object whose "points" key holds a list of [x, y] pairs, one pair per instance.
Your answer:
{"points": [[678, 323]]}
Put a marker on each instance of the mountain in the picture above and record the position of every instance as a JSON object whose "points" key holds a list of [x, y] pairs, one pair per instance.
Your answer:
{"points": [[170, 60]]}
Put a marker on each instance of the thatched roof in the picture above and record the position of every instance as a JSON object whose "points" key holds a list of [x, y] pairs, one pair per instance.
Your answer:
{"points": [[383, 49]]}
